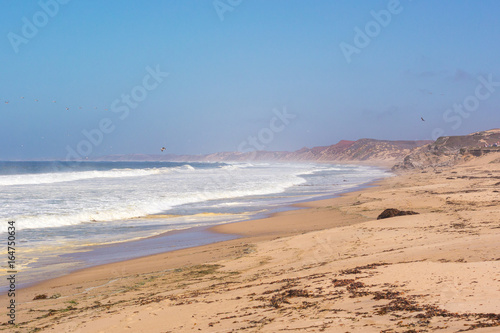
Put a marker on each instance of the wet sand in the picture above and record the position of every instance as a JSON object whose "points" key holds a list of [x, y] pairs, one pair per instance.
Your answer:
{"points": [[329, 267], [83, 257]]}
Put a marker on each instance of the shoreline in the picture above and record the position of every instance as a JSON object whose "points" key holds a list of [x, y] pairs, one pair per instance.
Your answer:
{"points": [[309, 269], [206, 235], [216, 232]]}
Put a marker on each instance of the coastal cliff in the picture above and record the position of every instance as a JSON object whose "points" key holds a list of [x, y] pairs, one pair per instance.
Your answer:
{"points": [[449, 150], [343, 151], [403, 155]]}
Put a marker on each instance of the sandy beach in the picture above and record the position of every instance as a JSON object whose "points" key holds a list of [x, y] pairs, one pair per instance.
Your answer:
{"points": [[330, 266], [235, 166]]}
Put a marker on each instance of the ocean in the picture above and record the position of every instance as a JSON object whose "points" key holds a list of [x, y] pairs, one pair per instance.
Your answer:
{"points": [[70, 215]]}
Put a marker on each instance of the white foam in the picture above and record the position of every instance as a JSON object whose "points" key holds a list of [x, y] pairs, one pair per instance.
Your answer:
{"points": [[143, 203], [70, 198], [58, 177]]}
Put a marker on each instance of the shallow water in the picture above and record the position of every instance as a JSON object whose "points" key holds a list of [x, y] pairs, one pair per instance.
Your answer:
{"points": [[65, 211]]}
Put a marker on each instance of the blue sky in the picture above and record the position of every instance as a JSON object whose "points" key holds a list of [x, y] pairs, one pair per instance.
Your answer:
{"points": [[233, 66]]}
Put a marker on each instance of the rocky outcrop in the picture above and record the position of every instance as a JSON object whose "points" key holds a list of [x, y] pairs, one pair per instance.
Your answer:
{"points": [[369, 149], [449, 150]]}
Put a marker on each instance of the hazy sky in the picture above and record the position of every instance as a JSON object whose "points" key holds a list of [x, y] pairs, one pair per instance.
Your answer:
{"points": [[242, 74]]}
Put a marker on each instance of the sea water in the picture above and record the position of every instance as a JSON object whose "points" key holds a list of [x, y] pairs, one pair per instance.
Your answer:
{"points": [[61, 209]]}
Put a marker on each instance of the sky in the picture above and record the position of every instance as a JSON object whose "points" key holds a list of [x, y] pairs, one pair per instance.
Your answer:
{"points": [[86, 78]]}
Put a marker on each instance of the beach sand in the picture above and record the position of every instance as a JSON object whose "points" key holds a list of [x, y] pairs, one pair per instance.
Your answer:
{"points": [[331, 266]]}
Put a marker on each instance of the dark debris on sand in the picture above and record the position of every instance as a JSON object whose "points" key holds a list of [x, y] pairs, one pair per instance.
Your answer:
{"points": [[392, 212]]}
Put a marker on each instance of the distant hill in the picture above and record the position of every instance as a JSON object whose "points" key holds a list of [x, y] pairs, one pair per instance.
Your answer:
{"points": [[404, 155], [448, 150], [367, 150]]}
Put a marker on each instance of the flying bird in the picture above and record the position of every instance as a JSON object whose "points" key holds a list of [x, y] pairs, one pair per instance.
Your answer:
{"points": [[422, 118], [163, 148]]}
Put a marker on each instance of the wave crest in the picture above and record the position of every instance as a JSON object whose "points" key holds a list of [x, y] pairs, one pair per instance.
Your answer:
{"points": [[49, 178]]}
